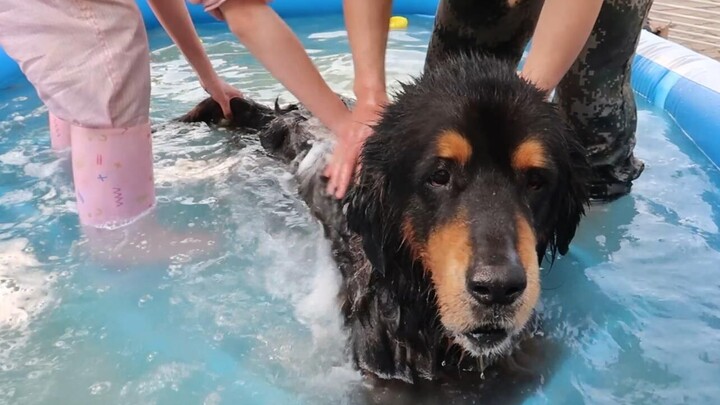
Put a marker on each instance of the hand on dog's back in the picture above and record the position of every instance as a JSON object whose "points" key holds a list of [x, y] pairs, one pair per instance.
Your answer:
{"points": [[345, 159]]}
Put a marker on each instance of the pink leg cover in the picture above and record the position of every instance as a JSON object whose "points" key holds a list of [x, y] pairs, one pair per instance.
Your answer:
{"points": [[59, 133], [113, 174]]}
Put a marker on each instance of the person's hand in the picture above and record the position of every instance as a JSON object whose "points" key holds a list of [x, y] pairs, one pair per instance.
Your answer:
{"points": [[548, 92], [351, 139], [221, 92]]}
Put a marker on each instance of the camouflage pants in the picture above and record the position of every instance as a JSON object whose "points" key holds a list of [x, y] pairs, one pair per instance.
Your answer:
{"points": [[595, 94]]}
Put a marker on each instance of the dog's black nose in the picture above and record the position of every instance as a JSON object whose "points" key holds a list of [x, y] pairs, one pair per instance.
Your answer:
{"points": [[497, 285]]}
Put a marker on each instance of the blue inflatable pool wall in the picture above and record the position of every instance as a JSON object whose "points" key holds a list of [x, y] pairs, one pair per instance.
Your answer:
{"points": [[674, 78]]}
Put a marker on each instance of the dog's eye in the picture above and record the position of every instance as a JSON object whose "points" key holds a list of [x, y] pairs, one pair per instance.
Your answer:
{"points": [[440, 177], [534, 180]]}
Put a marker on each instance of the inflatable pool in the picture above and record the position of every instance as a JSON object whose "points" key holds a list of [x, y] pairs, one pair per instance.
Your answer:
{"points": [[683, 83], [635, 302]]}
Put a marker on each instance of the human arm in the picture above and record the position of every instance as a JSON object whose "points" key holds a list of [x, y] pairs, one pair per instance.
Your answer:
{"points": [[272, 42], [367, 27], [560, 35], [175, 19]]}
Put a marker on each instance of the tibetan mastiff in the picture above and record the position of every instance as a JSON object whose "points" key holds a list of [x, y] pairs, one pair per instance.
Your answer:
{"points": [[471, 179]]}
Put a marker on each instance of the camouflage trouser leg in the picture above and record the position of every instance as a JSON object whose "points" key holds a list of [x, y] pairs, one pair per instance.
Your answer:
{"points": [[595, 94]]}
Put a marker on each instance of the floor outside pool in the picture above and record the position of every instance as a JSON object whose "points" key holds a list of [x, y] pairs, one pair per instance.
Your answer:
{"points": [[693, 23]]}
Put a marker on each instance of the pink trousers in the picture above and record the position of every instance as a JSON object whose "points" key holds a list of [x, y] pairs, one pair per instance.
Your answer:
{"points": [[213, 7], [90, 65]]}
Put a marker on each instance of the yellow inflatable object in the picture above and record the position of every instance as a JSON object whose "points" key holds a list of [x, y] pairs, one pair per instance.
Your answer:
{"points": [[398, 23]]}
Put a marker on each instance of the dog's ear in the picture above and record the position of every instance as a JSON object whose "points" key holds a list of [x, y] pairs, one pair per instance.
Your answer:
{"points": [[207, 111], [246, 114], [571, 197]]}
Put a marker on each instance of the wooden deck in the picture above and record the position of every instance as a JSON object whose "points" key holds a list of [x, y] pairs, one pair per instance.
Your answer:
{"points": [[692, 23]]}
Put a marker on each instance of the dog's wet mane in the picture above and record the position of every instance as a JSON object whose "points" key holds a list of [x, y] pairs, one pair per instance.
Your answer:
{"points": [[387, 296]]}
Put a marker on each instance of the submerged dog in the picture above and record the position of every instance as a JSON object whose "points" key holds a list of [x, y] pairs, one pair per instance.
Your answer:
{"points": [[471, 179]]}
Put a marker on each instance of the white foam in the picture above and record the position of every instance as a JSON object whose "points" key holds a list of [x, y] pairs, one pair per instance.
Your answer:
{"points": [[320, 150], [14, 158], [328, 35], [193, 170], [403, 36], [312, 291], [164, 376], [25, 293], [319, 308], [43, 170], [214, 398], [16, 197]]}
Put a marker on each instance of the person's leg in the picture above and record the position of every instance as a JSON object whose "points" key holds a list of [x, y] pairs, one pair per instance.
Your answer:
{"points": [[112, 150], [59, 132], [598, 99], [499, 27], [89, 63]]}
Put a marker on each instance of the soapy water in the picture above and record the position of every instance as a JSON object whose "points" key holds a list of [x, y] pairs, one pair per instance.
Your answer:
{"points": [[250, 317]]}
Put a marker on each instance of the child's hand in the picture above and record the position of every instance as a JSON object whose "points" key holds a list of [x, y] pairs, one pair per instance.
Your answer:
{"points": [[350, 143], [222, 93]]}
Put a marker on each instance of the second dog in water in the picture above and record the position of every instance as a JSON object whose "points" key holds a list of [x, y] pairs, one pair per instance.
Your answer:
{"points": [[471, 179]]}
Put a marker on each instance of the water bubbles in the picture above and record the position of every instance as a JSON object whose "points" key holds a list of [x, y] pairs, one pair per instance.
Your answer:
{"points": [[181, 258], [213, 398], [100, 388], [175, 270], [32, 361], [7, 392], [144, 300]]}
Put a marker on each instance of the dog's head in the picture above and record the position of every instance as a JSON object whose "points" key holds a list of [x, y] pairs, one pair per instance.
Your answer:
{"points": [[474, 175]]}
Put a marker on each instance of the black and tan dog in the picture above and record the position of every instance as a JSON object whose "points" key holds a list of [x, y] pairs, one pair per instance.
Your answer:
{"points": [[470, 178]]}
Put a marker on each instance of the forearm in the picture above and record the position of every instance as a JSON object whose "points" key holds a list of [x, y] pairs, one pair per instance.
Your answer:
{"points": [[175, 19], [561, 33], [272, 42], [367, 26]]}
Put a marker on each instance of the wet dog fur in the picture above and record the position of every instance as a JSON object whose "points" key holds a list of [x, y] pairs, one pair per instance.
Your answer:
{"points": [[470, 181]]}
